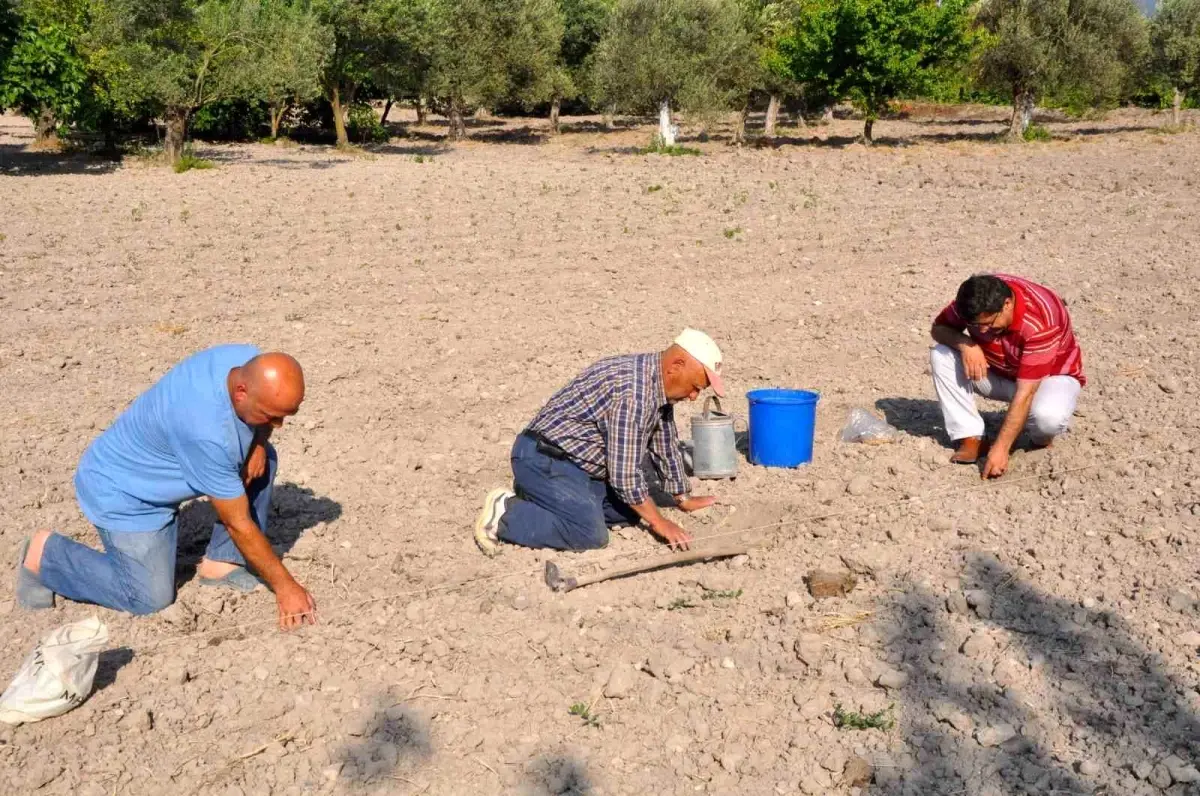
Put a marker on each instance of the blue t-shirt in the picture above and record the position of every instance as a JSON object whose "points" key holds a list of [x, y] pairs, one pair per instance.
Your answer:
{"points": [[179, 440]]}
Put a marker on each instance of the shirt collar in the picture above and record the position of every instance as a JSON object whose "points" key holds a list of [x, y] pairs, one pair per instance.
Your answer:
{"points": [[1018, 307], [658, 391]]}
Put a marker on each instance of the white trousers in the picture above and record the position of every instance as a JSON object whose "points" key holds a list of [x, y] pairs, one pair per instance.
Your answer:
{"points": [[1050, 415]]}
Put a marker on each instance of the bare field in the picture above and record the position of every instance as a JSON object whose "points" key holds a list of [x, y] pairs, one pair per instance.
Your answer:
{"points": [[1034, 636]]}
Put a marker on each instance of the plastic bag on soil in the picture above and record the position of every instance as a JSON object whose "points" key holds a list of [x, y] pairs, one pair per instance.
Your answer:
{"points": [[863, 426], [57, 676]]}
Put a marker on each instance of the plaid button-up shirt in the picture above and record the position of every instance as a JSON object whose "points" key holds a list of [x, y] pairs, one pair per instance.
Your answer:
{"points": [[609, 417]]}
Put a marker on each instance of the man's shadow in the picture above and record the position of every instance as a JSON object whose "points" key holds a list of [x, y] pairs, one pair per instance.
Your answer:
{"points": [[294, 510], [922, 417]]}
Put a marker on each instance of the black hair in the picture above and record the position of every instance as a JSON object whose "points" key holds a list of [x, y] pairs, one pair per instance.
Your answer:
{"points": [[982, 294]]}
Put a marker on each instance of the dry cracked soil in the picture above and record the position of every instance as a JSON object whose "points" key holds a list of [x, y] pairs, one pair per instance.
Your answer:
{"points": [[1037, 635]]}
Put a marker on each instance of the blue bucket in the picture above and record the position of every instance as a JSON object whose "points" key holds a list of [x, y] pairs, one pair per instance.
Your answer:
{"points": [[782, 423]]}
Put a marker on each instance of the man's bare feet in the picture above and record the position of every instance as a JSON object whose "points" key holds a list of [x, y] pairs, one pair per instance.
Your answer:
{"points": [[214, 570], [33, 556]]}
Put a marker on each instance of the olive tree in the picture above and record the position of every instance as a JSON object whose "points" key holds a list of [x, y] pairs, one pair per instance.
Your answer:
{"points": [[659, 55], [1175, 43], [485, 51], [291, 47], [1038, 46], [583, 24]]}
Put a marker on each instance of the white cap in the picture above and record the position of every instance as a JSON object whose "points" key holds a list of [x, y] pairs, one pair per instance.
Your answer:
{"points": [[705, 351]]}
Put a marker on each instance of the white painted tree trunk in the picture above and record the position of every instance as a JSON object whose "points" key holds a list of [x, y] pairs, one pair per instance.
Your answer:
{"points": [[1177, 108], [666, 130]]}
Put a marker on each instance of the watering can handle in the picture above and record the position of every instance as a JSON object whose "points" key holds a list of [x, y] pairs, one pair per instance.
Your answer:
{"points": [[708, 402]]}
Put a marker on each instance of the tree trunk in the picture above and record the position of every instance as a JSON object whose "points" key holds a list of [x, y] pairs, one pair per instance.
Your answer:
{"points": [[277, 111], [45, 129], [387, 108], [555, 107], [869, 131], [1022, 115], [739, 124], [1177, 107], [339, 117], [609, 116], [827, 115], [177, 120], [458, 128], [772, 116], [422, 111], [666, 130]]}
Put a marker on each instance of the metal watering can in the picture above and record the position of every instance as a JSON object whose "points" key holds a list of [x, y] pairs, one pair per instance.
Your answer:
{"points": [[714, 445]]}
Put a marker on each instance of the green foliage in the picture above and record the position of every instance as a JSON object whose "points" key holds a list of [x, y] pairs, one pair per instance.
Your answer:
{"points": [[679, 603], [584, 712], [481, 52], [1084, 48], [693, 54], [1175, 44], [231, 120], [881, 720], [722, 594], [293, 47], [1036, 132], [188, 161], [364, 126], [874, 51], [42, 73]]}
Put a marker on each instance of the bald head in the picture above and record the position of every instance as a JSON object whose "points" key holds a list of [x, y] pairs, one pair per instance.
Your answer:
{"points": [[267, 389]]}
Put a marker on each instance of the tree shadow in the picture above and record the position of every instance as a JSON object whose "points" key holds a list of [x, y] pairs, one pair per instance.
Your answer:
{"points": [[1115, 700], [294, 509], [110, 662], [557, 775], [16, 161], [395, 736]]}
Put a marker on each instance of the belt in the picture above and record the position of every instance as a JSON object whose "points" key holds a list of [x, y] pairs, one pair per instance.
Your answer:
{"points": [[546, 446]]}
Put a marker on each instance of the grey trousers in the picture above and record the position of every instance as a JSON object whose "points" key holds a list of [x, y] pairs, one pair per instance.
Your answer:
{"points": [[1050, 415]]}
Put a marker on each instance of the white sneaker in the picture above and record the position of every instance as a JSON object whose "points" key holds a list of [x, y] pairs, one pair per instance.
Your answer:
{"points": [[487, 525]]}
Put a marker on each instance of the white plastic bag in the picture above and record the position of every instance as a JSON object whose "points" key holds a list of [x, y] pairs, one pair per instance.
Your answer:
{"points": [[862, 426], [57, 676]]}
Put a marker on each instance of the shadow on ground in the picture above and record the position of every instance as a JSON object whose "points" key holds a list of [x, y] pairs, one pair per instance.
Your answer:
{"points": [[557, 775], [393, 737], [294, 509], [1045, 686], [16, 161], [111, 661]]}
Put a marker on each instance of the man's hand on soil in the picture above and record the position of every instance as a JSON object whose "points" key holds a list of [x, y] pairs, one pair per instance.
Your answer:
{"points": [[672, 534], [296, 607], [690, 504], [996, 464]]}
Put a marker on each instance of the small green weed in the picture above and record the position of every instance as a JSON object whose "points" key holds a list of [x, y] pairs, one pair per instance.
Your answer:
{"points": [[1036, 132], [584, 712], [422, 158], [853, 720], [188, 161], [1174, 129], [137, 211], [680, 603], [653, 188], [810, 199], [3, 237], [722, 594], [732, 232], [660, 147]]}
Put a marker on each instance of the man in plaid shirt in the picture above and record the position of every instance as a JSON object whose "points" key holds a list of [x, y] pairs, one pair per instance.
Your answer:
{"points": [[577, 467]]}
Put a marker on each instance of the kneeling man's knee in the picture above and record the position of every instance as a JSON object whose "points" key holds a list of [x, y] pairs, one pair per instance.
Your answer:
{"points": [[152, 597], [1045, 423]]}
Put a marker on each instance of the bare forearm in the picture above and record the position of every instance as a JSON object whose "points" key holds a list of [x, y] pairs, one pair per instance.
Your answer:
{"points": [[649, 512], [256, 549], [950, 337], [1018, 413]]}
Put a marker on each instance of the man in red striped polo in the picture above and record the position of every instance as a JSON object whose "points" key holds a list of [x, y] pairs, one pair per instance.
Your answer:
{"points": [[1007, 339]]}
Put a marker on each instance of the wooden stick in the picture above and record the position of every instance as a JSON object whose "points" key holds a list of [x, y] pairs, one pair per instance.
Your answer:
{"points": [[686, 557]]}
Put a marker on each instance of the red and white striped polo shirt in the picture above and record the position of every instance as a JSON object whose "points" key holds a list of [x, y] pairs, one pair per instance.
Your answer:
{"points": [[1039, 342]]}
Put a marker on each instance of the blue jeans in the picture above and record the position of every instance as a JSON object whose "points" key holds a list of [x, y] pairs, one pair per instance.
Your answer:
{"points": [[558, 505], [136, 571]]}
